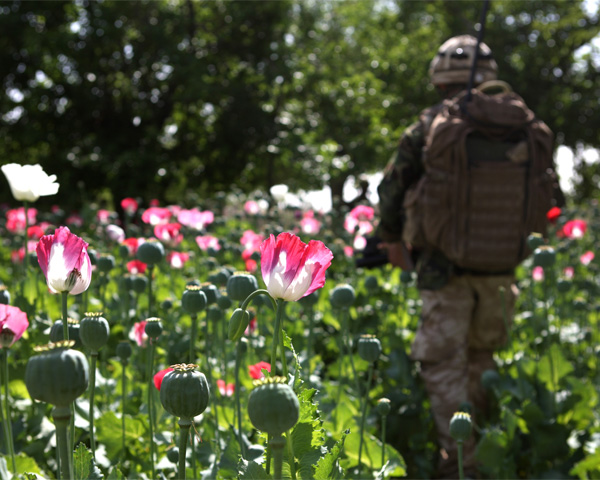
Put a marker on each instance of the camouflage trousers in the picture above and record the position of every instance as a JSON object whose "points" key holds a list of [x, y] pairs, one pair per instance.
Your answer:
{"points": [[462, 324]]}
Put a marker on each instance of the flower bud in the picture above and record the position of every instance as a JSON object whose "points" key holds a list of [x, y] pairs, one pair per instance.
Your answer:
{"points": [[184, 392], [460, 426], [240, 285], [544, 256], [342, 296], [193, 299], [369, 348], [153, 327], [58, 374], [94, 331], [273, 407], [151, 252], [237, 324]]}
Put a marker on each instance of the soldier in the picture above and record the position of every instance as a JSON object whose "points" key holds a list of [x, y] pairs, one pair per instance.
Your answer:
{"points": [[462, 321]]}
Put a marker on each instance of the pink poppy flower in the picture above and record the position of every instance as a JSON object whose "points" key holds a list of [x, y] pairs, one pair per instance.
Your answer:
{"points": [[309, 224], [158, 377], [348, 251], [208, 241], [65, 262], [74, 220], [132, 244], [169, 233], [226, 389], [104, 216], [195, 219], [587, 257], [139, 333], [15, 219], [251, 207], [17, 256], [290, 268], [360, 242], [136, 267], [129, 205], [569, 272], [256, 369], [251, 265], [251, 241], [538, 273], [156, 216], [177, 259], [13, 323], [251, 328], [361, 218], [115, 233], [574, 228]]}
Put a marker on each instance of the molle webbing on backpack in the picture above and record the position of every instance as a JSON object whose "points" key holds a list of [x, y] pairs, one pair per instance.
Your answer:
{"points": [[487, 183]]}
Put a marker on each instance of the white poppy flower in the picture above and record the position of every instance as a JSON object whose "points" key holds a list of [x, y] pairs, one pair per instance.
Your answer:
{"points": [[29, 182]]}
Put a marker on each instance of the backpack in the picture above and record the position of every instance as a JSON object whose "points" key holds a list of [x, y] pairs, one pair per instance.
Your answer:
{"points": [[488, 182]]}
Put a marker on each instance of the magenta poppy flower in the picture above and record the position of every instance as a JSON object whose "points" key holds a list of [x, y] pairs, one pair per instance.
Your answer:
{"points": [[256, 369], [291, 269], [136, 267], [13, 323], [158, 377], [251, 241], [15, 219], [169, 233], [177, 259], [226, 389], [65, 262], [309, 224], [195, 218], [574, 228], [553, 214], [360, 218], [587, 257], [156, 215], [129, 205], [139, 333], [208, 241]]}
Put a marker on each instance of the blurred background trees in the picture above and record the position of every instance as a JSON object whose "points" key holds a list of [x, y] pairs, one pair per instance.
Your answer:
{"points": [[179, 99]]}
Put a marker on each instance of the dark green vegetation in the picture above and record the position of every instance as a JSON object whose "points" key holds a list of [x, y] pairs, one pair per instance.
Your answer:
{"points": [[181, 99]]}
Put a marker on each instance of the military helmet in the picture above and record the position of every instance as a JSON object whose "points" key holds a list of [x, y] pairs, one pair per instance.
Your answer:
{"points": [[454, 60]]}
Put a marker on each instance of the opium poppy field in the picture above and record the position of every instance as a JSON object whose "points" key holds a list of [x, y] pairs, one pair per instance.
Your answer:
{"points": [[239, 339]]}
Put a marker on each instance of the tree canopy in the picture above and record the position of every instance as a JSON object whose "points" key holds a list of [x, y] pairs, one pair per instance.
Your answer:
{"points": [[178, 99]]}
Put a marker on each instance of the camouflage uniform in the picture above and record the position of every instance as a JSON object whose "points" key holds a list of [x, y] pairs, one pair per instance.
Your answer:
{"points": [[462, 319]]}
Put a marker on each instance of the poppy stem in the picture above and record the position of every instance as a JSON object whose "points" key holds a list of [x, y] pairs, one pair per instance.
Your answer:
{"points": [[65, 315], [8, 421], [277, 336]]}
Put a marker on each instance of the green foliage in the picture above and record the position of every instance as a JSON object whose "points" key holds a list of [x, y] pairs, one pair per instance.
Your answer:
{"points": [[84, 466]]}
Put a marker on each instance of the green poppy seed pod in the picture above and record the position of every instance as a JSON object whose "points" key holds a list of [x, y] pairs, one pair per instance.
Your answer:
{"points": [[237, 324], [57, 374], [4, 295], [580, 304], [369, 348], [310, 300], [93, 254], [151, 252], [166, 304], [544, 256], [383, 407], [139, 283], [184, 392], [124, 351], [94, 331], [342, 296], [153, 327], [221, 276], [460, 426], [211, 292], [223, 301], [193, 300], [106, 263], [56, 331], [535, 240], [273, 406], [466, 407], [490, 379], [371, 283], [563, 285], [240, 285]]}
